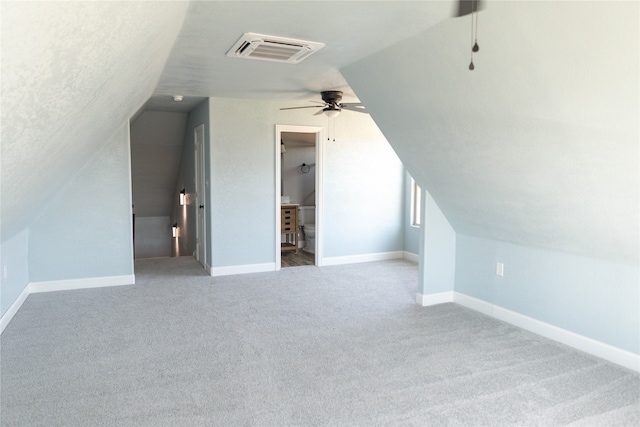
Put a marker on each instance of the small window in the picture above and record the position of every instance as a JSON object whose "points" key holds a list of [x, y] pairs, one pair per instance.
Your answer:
{"points": [[415, 203]]}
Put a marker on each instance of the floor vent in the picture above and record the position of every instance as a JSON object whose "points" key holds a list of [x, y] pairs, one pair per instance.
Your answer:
{"points": [[271, 48]]}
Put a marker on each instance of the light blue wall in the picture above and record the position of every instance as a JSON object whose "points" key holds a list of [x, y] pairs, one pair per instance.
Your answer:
{"points": [[185, 215], [242, 182], [591, 297], [86, 230], [436, 272], [14, 254], [363, 183], [363, 190]]}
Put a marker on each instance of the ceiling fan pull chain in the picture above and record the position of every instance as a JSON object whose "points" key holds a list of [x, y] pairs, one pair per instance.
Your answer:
{"points": [[474, 32], [475, 47], [333, 119], [471, 66], [331, 129], [472, 24]]}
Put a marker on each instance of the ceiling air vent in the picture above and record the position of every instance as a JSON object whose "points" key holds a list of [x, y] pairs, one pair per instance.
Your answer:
{"points": [[271, 48]]}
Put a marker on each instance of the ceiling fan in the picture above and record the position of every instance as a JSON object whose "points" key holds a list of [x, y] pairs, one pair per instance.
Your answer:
{"points": [[331, 105]]}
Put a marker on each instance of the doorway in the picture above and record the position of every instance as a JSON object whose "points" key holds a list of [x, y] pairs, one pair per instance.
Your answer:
{"points": [[298, 174]]}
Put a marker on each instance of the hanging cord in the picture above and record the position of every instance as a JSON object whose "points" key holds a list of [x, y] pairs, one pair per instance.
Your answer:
{"points": [[331, 129], [471, 67], [474, 31], [475, 47], [328, 128], [333, 120]]}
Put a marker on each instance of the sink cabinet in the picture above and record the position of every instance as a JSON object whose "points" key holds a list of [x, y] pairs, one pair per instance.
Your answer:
{"points": [[289, 227]]}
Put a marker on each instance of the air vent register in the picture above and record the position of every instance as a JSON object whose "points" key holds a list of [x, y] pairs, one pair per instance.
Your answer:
{"points": [[271, 48]]}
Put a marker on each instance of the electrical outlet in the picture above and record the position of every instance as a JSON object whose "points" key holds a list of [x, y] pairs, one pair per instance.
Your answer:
{"points": [[500, 269]]}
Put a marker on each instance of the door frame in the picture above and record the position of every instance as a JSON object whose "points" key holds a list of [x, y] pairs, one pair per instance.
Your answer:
{"points": [[201, 199], [319, 132]]}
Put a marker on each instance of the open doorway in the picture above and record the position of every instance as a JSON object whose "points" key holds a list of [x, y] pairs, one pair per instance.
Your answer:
{"points": [[298, 201], [157, 141]]}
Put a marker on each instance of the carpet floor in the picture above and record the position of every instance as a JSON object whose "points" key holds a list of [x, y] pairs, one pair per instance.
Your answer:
{"points": [[335, 346]]}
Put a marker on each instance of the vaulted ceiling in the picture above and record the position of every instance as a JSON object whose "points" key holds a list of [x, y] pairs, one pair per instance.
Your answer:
{"points": [[538, 145]]}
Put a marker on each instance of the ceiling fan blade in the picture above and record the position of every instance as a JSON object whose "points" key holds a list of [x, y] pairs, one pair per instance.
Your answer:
{"points": [[465, 7], [319, 112], [354, 106], [296, 108]]}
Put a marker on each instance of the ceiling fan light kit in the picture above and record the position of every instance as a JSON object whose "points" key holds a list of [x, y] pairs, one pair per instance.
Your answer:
{"points": [[331, 112]]}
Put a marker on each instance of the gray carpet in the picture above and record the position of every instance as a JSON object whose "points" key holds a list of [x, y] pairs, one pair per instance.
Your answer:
{"points": [[336, 346]]}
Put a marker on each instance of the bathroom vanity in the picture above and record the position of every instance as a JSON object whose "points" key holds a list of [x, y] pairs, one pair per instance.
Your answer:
{"points": [[289, 227]]}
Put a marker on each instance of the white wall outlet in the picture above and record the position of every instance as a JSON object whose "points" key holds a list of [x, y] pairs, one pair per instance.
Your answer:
{"points": [[499, 269]]}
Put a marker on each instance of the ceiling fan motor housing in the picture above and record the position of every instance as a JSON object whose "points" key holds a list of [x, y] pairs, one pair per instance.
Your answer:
{"points": [[332, 97]]}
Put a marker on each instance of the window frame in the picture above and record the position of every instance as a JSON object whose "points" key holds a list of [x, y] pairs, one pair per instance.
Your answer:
{"points": [[416, 196]]}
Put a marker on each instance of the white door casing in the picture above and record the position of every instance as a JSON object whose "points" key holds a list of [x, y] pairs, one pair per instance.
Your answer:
{"points": [[319, 132], [200, 195]]}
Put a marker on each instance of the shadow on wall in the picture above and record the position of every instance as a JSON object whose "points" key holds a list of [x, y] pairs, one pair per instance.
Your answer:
{"points": [[153, 237]]}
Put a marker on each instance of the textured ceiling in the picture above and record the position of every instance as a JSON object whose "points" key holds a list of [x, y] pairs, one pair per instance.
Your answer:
{"points": [[350, 30], [70, 78]]}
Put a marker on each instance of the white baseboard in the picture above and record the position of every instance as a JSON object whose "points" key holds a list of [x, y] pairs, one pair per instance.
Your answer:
{"points": [[433, 299], [473, 303], [242, 269], [62, 285], [352, 259], [8, 315], [596, 348], [73, 284], [410, 256]]}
